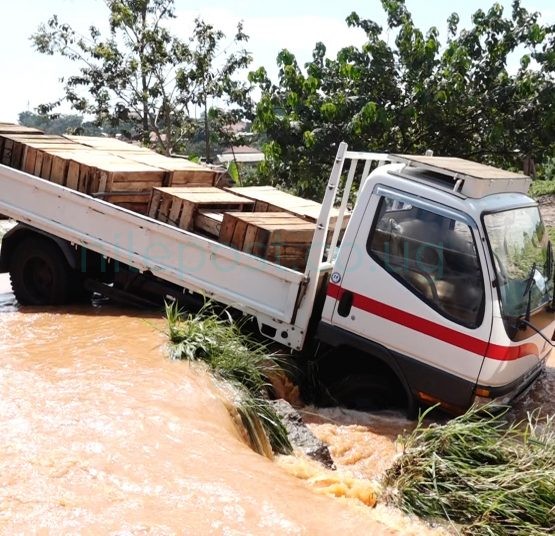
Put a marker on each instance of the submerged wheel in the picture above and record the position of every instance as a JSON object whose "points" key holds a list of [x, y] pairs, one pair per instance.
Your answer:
{"points": [[364, 392], [354, 379], [39, 273]]}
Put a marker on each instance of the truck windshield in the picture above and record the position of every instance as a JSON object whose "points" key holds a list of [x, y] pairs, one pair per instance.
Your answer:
{"points": [[522, 257]]}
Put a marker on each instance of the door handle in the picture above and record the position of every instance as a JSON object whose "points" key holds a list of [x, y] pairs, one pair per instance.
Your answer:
{"points": [[345, 303]]}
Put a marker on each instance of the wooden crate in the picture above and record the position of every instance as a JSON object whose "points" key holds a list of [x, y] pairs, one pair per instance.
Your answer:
{"points": [[180, 171], [282, 238], [182, 206], [270, 199], [11, 128], [113, 145], [7, 143], [91, 172], [12, 148], [34, 153]]}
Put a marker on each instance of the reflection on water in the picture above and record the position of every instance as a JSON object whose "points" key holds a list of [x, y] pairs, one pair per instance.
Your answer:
{"points": [[102, 434]]}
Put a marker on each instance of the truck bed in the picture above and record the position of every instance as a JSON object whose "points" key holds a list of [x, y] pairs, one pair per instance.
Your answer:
{"points": [[280, 298], [266, 290]]}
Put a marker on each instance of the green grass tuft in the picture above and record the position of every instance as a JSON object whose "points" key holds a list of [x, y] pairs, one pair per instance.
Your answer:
{"points": [[539, 188], [238, 360], [480, 473]]}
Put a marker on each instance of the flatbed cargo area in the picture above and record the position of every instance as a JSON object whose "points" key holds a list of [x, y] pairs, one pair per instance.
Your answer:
{"points": [[257, 249], [171, 190], [201, 265]]}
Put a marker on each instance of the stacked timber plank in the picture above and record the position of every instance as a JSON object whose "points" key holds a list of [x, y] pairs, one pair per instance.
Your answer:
{"points": [[118, 172], [270, 199], [279, 237], [195, 208], [180, 172], [235, 220]]}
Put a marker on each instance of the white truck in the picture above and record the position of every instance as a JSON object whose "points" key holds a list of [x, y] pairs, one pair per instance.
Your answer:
{"points": [[440, 290]]}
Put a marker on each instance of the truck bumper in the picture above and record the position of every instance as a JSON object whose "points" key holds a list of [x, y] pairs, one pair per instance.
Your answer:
{"points": [[506, 394]]}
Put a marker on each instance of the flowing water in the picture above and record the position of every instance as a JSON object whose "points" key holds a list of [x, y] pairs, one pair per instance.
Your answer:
{"points": [[102, 434]]}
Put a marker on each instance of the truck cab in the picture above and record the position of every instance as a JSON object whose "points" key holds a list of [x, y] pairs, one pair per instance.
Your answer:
{"points": [[445, 273]]}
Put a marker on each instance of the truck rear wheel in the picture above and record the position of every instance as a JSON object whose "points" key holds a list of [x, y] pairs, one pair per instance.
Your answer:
{"points": [[39, 273]]}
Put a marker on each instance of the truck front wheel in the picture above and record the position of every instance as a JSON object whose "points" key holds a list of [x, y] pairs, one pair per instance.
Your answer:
{"points": [[39, 273], [365, 392]]}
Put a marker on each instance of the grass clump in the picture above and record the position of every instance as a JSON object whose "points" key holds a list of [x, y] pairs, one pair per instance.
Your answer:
{"points": [[480, 473], [240, 361], [539, 188]]}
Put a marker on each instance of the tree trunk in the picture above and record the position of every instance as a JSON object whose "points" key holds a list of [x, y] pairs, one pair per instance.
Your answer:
{"points": [[167, 119], [529, 166], [144, 86], [206, 132]]}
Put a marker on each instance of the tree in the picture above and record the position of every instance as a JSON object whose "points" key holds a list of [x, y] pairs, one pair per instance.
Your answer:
{"points": [[208, 77], [133, 74], [458, 98], [123, 76]]}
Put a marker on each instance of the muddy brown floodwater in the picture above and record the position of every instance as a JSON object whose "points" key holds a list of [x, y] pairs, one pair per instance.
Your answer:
{"points": [[102, 434]]}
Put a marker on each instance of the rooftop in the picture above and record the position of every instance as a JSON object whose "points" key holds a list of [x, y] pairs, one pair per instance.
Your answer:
{"points": [[457, 166], [462, 177]]}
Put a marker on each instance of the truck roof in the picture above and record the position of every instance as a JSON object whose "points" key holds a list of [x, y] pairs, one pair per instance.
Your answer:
{"points": [[423, 184], [465, 177]]}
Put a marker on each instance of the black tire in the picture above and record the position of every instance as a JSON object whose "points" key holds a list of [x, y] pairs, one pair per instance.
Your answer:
{"points": [[39, 273], [364, 392]]}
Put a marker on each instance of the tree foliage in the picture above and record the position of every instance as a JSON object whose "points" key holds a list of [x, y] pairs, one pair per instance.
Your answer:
{"points": [[205, 79], [61, 124], [75, 124], [458, 98], [141, 72]]}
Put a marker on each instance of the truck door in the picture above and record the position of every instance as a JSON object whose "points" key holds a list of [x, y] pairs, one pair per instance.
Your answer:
{"points": [[413, 283]]}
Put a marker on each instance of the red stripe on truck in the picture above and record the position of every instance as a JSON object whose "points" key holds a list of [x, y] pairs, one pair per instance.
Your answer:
{"points": [[437, 331]]}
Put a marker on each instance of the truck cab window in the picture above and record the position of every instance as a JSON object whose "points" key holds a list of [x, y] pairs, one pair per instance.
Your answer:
{"points": [[520, 245], [433, 256]]}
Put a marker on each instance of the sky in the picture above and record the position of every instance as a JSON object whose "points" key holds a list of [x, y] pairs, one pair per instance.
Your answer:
{"points": [[28, 78]]}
